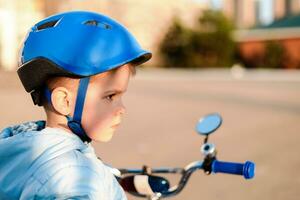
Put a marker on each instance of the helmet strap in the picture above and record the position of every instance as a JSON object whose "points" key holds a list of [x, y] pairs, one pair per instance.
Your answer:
{"points": [[75, 123], [77, 129], [47, 94]]}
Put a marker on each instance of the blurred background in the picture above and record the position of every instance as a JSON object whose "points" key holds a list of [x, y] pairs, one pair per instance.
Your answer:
{"points": [[240, 58]]}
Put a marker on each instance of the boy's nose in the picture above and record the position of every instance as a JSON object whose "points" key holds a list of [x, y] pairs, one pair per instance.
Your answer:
{"points": [[122, 110]]}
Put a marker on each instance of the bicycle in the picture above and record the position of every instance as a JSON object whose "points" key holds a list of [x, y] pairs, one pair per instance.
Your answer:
{"points": [[142, 182]]}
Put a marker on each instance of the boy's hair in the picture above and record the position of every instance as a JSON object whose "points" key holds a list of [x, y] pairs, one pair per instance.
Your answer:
{"points": [[71, 83]]}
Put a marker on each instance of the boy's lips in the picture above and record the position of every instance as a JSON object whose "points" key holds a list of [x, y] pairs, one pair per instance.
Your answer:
{"points": [[115, 125]]}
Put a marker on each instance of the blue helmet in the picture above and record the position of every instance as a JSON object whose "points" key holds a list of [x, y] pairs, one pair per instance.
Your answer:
{"points": [[75, 44]]}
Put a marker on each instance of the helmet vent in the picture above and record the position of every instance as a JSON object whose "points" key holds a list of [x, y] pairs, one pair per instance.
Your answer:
{"points": [[97, 23], [47, 25]]}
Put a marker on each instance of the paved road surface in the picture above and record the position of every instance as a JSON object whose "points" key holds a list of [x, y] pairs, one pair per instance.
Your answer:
{"points": [[261, 112]]}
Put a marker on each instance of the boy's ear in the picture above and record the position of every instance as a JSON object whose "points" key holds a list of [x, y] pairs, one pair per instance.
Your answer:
{"points": [[62, 100]]}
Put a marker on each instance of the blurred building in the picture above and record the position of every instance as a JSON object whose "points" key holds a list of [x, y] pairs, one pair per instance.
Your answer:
{"points": [[242, 12], [284, 31], [15, 19], [283, 8], [248, 13], [147, 20]]}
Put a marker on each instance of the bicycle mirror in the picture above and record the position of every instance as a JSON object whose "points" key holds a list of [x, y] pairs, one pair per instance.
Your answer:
{"points": [[208, 124]]}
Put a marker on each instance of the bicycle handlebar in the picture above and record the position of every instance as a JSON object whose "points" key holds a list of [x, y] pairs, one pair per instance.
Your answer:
{"points": [[246, 169], [142, 182]]}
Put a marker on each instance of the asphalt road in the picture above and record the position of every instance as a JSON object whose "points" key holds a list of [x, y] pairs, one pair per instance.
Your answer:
{"points": [[260, 110]]}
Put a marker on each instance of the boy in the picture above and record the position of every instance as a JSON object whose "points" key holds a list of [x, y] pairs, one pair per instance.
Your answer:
{"points": [[77, 66]]}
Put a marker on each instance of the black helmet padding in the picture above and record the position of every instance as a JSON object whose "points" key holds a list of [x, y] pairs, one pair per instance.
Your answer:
{"points": [[35, 73]]}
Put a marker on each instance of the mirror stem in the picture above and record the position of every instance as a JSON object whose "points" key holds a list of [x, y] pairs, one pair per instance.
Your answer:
{"points": [[206, 139]]}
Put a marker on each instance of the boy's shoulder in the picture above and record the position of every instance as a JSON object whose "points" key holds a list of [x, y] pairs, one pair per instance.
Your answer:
{"points": [[52, 163], [74, 170], [74, 174]]}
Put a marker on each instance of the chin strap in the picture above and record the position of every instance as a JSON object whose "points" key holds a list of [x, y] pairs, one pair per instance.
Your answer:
{"points": [[74, 123], [77, 129]]}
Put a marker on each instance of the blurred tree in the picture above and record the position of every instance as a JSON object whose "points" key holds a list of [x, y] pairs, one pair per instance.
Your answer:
{"points": [[208, 45], [175, 45], [274, 56]]}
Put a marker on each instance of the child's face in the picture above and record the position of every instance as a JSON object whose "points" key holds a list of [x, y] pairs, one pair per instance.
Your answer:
{"points": [[103, 107]]}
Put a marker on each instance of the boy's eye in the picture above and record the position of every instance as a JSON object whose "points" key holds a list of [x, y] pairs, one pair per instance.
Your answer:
{"points": [[110, 97]]}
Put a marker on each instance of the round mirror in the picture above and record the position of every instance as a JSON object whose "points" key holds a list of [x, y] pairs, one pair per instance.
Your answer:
{"points": [[208, 124]]}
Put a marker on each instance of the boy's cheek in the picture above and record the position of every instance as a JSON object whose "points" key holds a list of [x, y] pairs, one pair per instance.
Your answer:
{"points": [[95, 122], [100, 133]]}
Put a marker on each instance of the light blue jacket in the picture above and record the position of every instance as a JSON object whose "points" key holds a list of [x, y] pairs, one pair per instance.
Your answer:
{"points": [[49, 163]]}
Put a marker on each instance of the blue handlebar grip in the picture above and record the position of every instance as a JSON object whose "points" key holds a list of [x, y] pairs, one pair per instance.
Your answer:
{"points": [[247, 169]]}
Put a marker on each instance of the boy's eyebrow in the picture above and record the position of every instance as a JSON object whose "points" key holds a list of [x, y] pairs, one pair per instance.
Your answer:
{"points": [[114, 91]]}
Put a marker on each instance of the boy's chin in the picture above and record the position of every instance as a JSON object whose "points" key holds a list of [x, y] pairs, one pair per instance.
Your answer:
{"points": [[106, 137]]}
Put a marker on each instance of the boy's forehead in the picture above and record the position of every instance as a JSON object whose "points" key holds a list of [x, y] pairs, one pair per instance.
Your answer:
{"points": [[103, 76], [113, 74], [113, 79]]}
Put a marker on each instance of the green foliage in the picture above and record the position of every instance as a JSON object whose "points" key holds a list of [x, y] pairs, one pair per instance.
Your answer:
{"points": [[208, 45], [274, 55], [174, 46]]}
